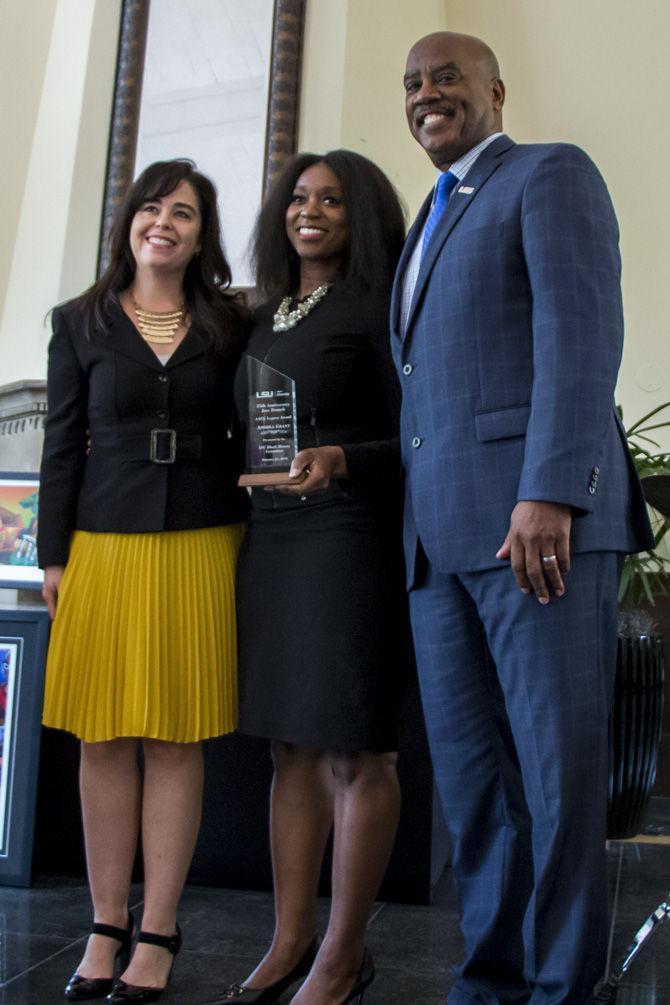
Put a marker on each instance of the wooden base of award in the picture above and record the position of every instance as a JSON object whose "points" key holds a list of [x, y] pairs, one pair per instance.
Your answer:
{"points": [[270, 479]]}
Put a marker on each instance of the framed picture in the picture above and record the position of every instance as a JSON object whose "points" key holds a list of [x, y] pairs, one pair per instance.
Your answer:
{"points": [[24, 632], [216, 81], [19, 493]]}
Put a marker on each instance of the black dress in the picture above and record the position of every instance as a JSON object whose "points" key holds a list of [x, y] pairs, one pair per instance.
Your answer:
{"points": [[322, 619]]}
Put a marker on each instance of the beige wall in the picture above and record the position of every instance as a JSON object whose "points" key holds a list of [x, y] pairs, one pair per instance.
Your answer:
{"points": [[23, 57], [583, 71], [58, 61]]}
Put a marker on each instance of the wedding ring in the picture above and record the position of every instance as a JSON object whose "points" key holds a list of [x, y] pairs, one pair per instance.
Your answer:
{"points": [[548, 558]]}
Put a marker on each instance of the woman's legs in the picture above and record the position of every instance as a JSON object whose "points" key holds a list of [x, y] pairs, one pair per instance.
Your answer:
{"points": [[367, 806], [171, 811], [109, 781], [300, 821]]}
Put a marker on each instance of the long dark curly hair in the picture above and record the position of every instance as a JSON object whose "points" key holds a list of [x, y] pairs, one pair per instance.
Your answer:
{"points": [[375, 223]]}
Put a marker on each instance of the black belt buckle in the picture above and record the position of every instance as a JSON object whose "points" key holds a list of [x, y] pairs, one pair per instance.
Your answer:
{"points": [[162, 451]]}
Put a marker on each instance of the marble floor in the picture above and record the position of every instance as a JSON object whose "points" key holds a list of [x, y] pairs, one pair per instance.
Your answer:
{"points": [[42, 931]]}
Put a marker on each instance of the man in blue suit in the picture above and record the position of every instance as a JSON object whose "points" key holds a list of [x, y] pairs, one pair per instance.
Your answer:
{"points": [[507, 335]]}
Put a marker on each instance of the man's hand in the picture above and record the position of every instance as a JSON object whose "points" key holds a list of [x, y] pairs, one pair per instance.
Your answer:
{"points": [[538, 545], [52, 577]]}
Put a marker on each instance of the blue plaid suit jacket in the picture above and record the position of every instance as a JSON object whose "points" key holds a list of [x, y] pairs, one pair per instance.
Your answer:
{"points": [[510, 358]]}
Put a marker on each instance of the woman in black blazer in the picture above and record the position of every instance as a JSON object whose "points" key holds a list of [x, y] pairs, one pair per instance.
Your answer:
{"points": [[140, 523]]}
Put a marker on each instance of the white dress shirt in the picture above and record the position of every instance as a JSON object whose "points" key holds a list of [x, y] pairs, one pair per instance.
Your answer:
{"points": [[460, 168]]}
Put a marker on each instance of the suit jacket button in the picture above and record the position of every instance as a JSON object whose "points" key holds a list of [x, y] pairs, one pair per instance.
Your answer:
{"points": [[162, 415], [592, 489], [416, 442], [596, 472], [407, 369], [163, 379]]}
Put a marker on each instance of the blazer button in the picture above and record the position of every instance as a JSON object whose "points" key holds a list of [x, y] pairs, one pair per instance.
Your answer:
{"points": [[592, 489], [163, 379], [416, 442], [162, 415], [407, 369]]}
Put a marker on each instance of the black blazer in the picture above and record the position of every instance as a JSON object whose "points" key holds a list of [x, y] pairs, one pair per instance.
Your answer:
{"points": [[110, 388]]}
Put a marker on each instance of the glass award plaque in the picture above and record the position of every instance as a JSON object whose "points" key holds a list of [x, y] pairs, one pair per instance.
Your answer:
{"points": [[272, 428]]}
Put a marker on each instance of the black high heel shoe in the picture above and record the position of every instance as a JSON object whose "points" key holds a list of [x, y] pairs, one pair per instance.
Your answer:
{"points": [[272, 993], [80, 988], [122, 992], [366, 975]]}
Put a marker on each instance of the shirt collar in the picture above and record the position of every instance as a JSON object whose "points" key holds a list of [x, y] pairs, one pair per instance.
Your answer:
{"points": [[461, 167]]}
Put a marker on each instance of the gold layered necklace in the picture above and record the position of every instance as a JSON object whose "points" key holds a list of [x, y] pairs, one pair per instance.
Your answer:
{"points": [[159, 327], [285, 319]]}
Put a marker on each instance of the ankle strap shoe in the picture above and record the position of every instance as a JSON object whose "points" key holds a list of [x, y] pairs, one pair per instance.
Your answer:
{"points": [[123, 992], [80, 988]]}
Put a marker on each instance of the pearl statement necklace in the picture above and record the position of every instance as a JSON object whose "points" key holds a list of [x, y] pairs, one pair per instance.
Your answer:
{"points": [[285, 319]]}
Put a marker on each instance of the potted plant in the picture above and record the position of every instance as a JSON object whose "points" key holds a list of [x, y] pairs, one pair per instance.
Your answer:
{"points": [[637, 710]]}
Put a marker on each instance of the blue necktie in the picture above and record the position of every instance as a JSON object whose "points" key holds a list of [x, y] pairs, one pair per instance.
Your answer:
{"points": [[445, 183]]}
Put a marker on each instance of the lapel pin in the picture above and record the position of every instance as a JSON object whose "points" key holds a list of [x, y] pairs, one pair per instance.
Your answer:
{"points": [[466, 190]]}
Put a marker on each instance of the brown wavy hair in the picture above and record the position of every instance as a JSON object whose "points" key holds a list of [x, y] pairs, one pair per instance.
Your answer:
{"points": [[219, 315]]}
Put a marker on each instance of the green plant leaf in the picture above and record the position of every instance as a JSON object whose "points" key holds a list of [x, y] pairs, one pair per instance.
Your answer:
{"points": [[645, 576], [624, 581], [645, 418], [638, 436]]}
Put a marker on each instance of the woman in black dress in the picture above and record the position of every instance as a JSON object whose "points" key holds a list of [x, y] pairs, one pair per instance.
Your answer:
{"points": [[321, 600]]}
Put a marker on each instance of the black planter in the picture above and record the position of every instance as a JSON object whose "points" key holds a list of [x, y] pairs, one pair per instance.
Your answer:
{"points": [[635, 731]]}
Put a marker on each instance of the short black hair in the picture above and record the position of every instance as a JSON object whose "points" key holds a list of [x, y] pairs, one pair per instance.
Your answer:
{"points": [[219, 315], [375, 222]]}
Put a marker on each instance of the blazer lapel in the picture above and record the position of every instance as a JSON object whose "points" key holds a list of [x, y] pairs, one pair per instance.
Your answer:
{"points": [[192, 345], [124, 337], [406, 254], [462, 196]]}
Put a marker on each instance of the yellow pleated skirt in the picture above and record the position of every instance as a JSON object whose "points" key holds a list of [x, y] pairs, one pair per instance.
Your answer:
{"points": [[144, 643]]}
